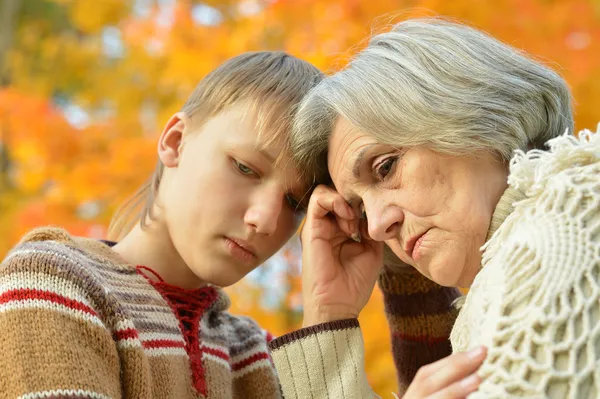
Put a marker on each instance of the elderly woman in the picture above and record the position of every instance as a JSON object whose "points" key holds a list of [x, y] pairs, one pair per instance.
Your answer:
{"points": [[455, 151]]}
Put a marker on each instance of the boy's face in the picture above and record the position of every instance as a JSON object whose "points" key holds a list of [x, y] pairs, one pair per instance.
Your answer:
{"points": [[226, 207]]}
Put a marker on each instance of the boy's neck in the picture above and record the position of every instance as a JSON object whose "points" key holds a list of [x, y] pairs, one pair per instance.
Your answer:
{"points": [[152, 247]]}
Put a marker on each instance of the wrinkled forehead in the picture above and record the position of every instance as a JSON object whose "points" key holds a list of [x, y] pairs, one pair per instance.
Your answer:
{"points": [[347, 144]]}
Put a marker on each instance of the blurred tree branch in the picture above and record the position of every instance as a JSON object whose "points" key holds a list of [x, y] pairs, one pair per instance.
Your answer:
{"points": [[8, 14]]}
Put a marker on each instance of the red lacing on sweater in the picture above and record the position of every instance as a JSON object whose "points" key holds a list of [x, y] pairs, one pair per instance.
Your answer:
{"points": [[189, 306]]}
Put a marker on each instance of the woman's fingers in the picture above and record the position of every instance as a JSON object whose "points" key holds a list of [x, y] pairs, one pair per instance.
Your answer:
{"points": [[325, 200], [328, 203], [455, 368], [347, 226], [458, 390], [448, 372]]}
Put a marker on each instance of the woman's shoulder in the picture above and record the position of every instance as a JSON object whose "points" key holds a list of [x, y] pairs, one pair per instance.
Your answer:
{"points": [[548, 247], [571, 163], [559, 215]]}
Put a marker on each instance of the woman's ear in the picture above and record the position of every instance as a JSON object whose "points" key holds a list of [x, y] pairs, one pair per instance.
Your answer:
{"points": [[170, 143]]}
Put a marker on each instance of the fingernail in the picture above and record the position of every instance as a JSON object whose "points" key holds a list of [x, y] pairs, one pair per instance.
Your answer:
{"points": [[476, 353], [350, 213], [471, 382]]}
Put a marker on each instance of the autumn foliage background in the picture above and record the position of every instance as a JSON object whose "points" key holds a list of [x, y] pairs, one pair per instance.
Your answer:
{"points": [[86, 86]]}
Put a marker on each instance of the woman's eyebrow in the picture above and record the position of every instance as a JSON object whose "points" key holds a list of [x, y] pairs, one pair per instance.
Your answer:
{"points": [[359, 160]]}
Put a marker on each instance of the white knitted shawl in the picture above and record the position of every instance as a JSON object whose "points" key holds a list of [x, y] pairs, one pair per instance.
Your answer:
{"points": [[536, 302]]}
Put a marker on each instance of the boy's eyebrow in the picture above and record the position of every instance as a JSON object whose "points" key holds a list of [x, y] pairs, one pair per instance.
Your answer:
{"points": [[267, 156]]}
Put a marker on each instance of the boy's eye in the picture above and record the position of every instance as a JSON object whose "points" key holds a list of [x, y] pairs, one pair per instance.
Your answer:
{"points": [[245, 170], [294, 204]]}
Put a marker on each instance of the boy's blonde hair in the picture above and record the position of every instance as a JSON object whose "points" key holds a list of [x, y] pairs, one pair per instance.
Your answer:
{"points": [[270, 83]]}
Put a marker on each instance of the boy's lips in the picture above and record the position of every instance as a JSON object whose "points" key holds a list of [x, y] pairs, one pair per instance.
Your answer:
{"points": [[243, 245]]}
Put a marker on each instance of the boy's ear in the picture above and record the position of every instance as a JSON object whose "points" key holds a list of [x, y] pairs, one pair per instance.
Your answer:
{"points": [[170, 143]]}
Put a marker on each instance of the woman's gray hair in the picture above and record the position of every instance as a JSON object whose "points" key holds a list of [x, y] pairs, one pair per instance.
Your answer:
{"points": [[440, 84]]}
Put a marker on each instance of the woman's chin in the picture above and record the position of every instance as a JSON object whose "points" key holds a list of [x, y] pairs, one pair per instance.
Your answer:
{"points": [[466, 280], [446, 274]]}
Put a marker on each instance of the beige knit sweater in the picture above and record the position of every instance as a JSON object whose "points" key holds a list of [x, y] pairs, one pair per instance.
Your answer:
{"points": [[535, 304]]}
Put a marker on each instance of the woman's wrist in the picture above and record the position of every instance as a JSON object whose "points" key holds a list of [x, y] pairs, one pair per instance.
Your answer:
{"points": [[314, 315]]}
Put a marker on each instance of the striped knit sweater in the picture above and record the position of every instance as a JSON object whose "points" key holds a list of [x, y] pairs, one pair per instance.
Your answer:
{"points": [[420, 316], [76, 321]]}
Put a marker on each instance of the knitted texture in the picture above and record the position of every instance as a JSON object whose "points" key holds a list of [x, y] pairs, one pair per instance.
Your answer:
{"points": [[325, 361], [536, 302], [76, 321], [188, 306], [420, 315]]}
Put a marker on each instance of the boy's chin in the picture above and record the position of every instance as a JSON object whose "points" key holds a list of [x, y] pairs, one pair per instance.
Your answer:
{"points": [[222, 278]]}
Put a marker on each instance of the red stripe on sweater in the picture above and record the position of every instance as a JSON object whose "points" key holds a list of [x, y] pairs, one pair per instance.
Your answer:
{"points": [[162, 343], [24, 294], [252, 359], [215, 352], [270, 337], [126, 334], [420, 338]]}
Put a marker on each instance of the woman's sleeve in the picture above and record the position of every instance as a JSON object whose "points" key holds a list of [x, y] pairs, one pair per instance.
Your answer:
{"points": [[420, 315], [325, 361]]}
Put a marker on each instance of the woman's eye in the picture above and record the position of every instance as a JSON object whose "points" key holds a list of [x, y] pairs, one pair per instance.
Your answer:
{"points": [[385, 167], [245, 170]]}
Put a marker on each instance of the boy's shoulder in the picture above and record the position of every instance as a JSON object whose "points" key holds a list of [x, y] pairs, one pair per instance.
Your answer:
{"points": [[55, 253], [42, 246], [49, 271]]}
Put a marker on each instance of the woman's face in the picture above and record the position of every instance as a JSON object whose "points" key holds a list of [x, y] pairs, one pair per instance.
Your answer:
{"points": [[432, 210]]}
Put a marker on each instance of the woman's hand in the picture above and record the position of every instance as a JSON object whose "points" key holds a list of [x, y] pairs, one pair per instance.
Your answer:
{"points": [[452, 377], [338, 273]]}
